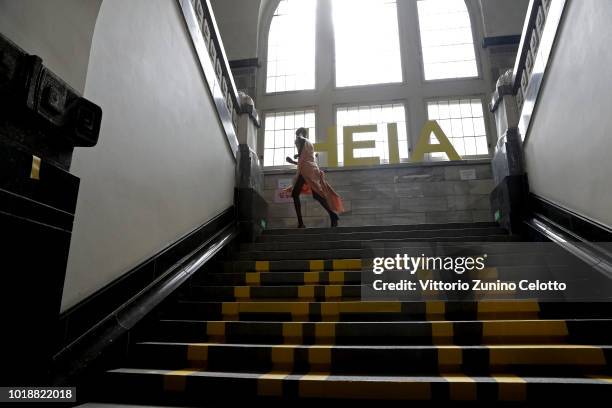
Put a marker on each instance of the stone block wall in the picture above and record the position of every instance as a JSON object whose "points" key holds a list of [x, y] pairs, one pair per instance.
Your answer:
{"points": [[429, 193]]}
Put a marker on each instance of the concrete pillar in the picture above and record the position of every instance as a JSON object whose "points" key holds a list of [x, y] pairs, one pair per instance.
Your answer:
{"points": [[509, 198], [250, 204]]}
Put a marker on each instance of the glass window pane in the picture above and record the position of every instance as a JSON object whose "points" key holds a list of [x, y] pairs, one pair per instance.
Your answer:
{"points": [[479, 127], [446, 39], [465, 129], [279, 134], [268, 139], [291, 47], [366, 37], [482, 147], [379, 115], [268, 157]]}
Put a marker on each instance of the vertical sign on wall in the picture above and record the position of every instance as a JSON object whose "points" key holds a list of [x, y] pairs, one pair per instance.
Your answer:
{"points": [[280, 195]]}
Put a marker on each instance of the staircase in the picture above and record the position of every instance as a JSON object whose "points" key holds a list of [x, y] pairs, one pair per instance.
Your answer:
{"points": [[283, 320]]}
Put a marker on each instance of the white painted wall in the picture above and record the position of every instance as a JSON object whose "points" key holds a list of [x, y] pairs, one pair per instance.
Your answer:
{"points": [[162, 166], [238, 22], [59, 31], [569, 143], [503, 17]]}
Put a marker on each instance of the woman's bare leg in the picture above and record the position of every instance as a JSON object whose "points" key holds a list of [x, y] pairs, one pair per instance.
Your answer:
{"points": [[297, 189], [332, 215]]}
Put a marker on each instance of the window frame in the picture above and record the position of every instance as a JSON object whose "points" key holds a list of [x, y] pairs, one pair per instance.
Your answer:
{"points": [[477, 56], [262, 132], [401, 44], [403, 102], [266, 43], [486, 120]]}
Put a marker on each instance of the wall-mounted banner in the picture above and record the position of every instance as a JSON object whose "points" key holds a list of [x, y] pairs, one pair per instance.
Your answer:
{"points": [[424, 145], [537, 271], [280, 195]]}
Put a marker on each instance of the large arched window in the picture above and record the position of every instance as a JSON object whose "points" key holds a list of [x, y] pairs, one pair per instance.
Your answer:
{"points": [[367, 42], [291, 47], [446, 39]]}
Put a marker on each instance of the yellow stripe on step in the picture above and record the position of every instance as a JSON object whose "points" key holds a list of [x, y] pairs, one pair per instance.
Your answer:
{"points": [[462, 387], [311, 278], [510, 387], [527, 328], [523, 307], [424, 274], [215, 331], [253, 278], [321, 385], [562, 354], [346, 264], [271, 384], [442, 332], [282, 357], [292, 332], [319, 358], [333, 291], [307, 292], [435, 310], [230, 310], [331, 310], [308, 384], [378, 307], [299, 310], [176, 381], [325, 333], [262, 266], [336, 277], [197, 355], [486, 273], [242, 292], [450, 356], [317, 265]]}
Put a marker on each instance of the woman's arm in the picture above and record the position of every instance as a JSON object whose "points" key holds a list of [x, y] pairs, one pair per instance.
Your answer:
{"points": [[299, 143], [290, 160]]}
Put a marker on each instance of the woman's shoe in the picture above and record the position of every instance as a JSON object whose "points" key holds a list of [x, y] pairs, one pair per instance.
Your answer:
{"points": [[334, 220], [301, 226]]}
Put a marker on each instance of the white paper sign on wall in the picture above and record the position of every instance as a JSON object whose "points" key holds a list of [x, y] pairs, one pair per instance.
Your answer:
{"points": [[281, 196], [469, 174]]}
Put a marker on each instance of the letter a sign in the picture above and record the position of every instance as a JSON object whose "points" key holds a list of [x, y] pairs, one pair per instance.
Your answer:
{"points": [[424, 146]]}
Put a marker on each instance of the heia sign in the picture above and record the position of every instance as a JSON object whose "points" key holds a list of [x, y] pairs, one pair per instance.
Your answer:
{"points": [[424, 145]]}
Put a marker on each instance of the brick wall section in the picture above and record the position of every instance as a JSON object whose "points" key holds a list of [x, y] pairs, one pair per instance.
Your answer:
{"points": [[388, 195]]}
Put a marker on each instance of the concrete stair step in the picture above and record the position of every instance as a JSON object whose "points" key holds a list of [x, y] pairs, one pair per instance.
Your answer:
{"points": [[385, 311], [376, 228], [339, 235], [278, 278], [282, 321], [557, 359], [280, 245], [286, 293], [354, 277], [571, 331], [333, 261], [155, 386], [529, 252]]}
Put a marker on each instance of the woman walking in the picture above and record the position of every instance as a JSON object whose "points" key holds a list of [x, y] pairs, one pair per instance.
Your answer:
{"points": [[311, 180]]}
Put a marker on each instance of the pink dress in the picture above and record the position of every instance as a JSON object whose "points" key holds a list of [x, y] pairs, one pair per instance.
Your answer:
{"points": [[315, 179]]}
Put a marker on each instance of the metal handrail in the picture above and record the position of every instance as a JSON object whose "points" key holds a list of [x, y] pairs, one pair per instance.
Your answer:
{"points": [[87, 347]]}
